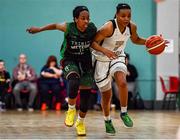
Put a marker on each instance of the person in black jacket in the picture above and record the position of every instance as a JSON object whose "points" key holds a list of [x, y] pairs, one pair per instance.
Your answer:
{"points": [[132, 73], [131, 77], [4, 84]]}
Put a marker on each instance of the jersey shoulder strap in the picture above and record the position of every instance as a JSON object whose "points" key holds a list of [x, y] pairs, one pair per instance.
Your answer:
{"points": [[114, 26]]}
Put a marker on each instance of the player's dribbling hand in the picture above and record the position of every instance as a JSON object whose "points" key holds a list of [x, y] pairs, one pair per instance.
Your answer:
{"points": [[33, 30], [166, 41], [110, 54]]}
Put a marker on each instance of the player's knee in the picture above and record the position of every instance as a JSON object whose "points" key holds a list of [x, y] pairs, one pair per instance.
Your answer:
{"points": [[73, 85], [122, 83]]}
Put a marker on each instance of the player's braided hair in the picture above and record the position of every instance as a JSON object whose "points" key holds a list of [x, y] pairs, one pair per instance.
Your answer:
{"points": [[121, 6]]}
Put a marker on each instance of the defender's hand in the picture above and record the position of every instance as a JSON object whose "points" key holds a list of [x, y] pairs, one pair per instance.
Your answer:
{"points": [[33, 30]]}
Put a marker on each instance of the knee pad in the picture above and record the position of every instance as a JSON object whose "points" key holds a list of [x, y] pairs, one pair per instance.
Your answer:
{"points": [[84, 98], [73, 85], [71, 69]]}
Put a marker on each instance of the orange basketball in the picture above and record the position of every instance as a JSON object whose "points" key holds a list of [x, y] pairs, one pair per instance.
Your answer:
{"points": [[155, 44]]}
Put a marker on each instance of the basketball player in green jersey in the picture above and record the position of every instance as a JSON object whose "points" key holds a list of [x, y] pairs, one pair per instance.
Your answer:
{"points": [[76, 61]]}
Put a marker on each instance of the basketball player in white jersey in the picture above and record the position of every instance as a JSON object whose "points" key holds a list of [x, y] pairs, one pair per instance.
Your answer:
{"points": [[109, 43]]}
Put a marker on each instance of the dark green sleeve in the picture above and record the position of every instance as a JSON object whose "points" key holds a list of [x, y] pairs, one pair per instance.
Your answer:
{"points": [[67, 29]]}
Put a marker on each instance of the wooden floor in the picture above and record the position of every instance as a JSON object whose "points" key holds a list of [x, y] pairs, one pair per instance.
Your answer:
{"points": [[50, 125]]}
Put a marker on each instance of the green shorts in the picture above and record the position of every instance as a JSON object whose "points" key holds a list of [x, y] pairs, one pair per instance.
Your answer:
{"points": [[83, 69]]}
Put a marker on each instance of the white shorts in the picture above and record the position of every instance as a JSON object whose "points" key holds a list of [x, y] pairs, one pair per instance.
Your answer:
{"points": [[104, 71]]}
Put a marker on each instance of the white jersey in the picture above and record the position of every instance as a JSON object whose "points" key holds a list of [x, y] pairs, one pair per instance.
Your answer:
{"points": [[116, 42], [104, 71]]}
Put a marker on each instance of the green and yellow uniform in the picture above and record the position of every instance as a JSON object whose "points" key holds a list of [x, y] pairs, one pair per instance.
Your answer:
{"points": [[75, 52]]}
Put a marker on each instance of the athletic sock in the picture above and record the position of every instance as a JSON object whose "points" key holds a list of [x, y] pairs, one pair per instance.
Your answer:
{"points": [[80, 119], [71, 106], [123, 110], [107, 118]]}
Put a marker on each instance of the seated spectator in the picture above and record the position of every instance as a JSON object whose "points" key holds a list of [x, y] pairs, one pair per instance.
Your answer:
{"points": [[24, 78], [4, 84], [49, 81], [131, 77]]}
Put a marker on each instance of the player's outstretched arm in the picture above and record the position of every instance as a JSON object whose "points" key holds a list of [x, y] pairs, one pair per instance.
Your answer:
{"points": [[134, 37], [55, 26]]}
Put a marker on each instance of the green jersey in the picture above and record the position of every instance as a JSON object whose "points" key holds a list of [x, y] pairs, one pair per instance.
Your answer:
{"points": [[76, 44]]}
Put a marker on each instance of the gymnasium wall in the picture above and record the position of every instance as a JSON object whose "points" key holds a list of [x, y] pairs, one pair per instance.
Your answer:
{"points": [[17, 15], [168, 24]]}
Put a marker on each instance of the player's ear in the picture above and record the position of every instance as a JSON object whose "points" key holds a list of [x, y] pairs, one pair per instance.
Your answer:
{"points": [[75, 19]]}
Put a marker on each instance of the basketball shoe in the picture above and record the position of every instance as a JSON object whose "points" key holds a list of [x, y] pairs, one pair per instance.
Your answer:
{"points": [[110, 130], [80, 128], [126, 120], [70, 115]]}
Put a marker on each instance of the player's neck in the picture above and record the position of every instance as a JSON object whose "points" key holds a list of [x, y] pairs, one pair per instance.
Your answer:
{"points": [[121, 28], [80, 29]]}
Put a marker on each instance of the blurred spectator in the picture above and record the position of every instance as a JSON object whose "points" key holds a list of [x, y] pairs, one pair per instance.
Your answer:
{"points": [[132, 74], [24, 79], [4, 84], [50, 81]]}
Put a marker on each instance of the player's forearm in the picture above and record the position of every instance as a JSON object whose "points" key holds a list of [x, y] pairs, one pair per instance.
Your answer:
{"points": [[97, 47], [140, 41], [48, 27]]}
